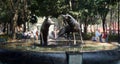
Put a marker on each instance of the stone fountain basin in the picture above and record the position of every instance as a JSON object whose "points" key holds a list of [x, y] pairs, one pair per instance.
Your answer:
{"points": [[92, 53], [31, 57]]}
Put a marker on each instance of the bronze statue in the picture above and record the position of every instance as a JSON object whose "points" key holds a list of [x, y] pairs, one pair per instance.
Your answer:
{"points": [[44, 31], [71, 26]]}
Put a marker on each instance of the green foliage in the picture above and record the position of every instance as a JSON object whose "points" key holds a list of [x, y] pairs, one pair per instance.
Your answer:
{"points": [[113, 37], [48, 7], [4, 17], [5, 13], [87, 36], [6, 37], [87, 10], [3, 36]]}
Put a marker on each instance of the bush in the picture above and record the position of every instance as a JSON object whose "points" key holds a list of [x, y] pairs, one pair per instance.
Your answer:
{"points": [[87, 36], [4, 37], [113, 37]]}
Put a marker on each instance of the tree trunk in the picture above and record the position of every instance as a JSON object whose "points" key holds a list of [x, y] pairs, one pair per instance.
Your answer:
{"points": [[70, 4], [25, 14], [7, 28], [91, 28], [85, 27], [118, 23], [4, 29], [15, 18], [11, 25], [103, 24], [24, 27], [110, 24]]}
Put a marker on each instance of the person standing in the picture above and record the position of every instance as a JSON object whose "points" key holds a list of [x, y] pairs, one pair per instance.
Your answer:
{"points": [[104, 36], [97, 35]]}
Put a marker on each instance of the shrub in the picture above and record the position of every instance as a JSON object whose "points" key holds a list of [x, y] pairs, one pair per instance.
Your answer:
{"points": [[87, 36], [113, 37], [4, 37]]}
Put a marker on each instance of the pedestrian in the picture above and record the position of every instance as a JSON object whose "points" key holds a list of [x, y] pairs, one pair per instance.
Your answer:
{"points": [[104, 36], [97, 35], [93, 38]]}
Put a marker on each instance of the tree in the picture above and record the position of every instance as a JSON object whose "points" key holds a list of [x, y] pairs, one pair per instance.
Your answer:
{"points": [[5, 14], [103, 9], [88, 12], [48, 8], [15, 13]]}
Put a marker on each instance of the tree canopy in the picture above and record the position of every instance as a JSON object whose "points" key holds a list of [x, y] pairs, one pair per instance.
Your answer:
{"points": [[88, 11], [48, 7]]}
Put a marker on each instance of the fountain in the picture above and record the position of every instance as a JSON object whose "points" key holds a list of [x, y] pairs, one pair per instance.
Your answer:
{"points": [[30, 57], [58, 57]]}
